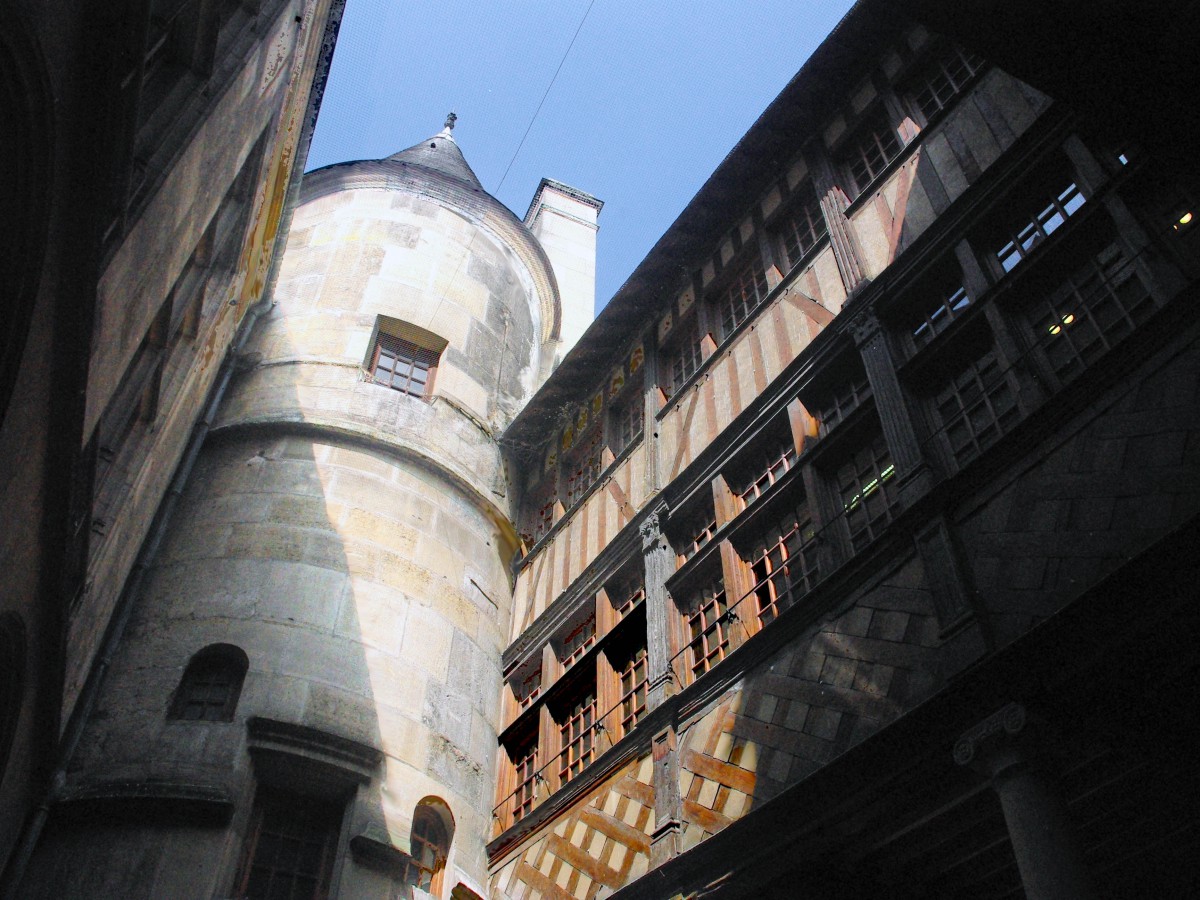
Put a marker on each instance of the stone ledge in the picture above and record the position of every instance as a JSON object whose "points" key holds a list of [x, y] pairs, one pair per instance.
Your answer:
{"points": [[146, 800]]}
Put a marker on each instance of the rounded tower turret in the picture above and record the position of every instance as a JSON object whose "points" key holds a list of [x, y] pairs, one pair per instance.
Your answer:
{"points": [[310, 680]]}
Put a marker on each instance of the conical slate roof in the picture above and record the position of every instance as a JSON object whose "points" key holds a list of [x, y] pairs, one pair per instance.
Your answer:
{"points": [[440, 153]]}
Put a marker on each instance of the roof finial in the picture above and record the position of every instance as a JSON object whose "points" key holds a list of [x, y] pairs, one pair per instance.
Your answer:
{"points": [[450, 120]]}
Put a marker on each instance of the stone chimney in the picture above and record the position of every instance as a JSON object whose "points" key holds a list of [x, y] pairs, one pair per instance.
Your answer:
{"points": [[564, 220]]}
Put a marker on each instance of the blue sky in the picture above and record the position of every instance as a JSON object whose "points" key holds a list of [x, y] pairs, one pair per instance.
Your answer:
{"points": [[650, 99]]}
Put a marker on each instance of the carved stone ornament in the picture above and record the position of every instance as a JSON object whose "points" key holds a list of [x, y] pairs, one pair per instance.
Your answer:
{"points": [[1007, 720]]}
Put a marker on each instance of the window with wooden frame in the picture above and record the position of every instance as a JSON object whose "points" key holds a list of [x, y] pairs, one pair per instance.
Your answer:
{"points": [[682, 356], [938, 300], [1091, 311], [290, 847], [429, 846], [1036, 212], [575, 715], [528, 689], [523, 757], [843, 388], [540, 508], [783, 562], [742, 291], [632, 677], [627, 418], [211, 685], [403, 365], [577, 641], [707, 619], [974, 400], [940, 79], [802, 225], [627, 593], [581, 467], [865, 155], [867, 490], [695, 530], [767, 464]]}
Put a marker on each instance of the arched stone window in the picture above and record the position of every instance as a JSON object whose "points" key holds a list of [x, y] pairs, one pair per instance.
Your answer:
{"points": [[12, 681], [432, 831], [211, 685]]}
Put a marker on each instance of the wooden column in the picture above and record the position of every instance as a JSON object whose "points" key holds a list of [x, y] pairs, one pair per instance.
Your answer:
{"points": [[659, 562], [668, 806], [895, 415]]}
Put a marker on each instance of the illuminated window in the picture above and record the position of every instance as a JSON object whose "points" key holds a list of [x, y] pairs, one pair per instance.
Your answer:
{"points": [[708, 627], [784, 563], [403, 365], [746, 288], [290, 847], [941, 80], [803, 225], [865, 484], [1092, 310], [211, 685], [869, 151]]}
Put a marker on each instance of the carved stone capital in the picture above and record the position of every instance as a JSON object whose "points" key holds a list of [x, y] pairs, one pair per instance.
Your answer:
{"points": [[1008, 720]]}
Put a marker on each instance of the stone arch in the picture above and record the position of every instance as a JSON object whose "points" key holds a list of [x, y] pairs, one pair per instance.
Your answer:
{"points": [[26, 155]]}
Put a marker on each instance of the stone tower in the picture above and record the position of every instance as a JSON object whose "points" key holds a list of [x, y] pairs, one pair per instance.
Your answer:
{"points": [[314, 660]]}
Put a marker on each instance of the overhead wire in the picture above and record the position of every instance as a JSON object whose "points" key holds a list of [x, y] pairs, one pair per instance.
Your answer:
{"points": [[546, 94]]}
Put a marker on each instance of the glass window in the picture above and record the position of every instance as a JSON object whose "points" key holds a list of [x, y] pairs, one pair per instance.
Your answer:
{"points": [[402, 365], [803, 225], [869, 151], [746, 288], [784, 563], [941, 80], [290, 847], [865, 484], [211, 685]]}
